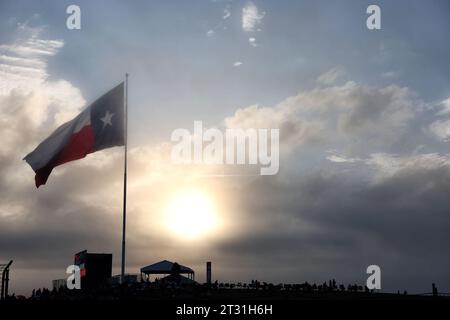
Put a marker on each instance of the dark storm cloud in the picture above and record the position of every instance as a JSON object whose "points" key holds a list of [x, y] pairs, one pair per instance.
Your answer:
{"points": [[400, 223]]}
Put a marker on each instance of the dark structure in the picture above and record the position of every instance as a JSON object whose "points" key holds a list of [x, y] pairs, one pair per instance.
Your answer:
{"points": [[435, 290], [208, 272], [166, 268], [95, 269], [4, 268]]}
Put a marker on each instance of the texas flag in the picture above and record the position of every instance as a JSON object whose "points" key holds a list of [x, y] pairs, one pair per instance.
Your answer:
{"points": [[99, 126]]}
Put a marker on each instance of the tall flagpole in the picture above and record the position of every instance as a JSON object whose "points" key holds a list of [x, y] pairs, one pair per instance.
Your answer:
{"points": [[122, 273]]}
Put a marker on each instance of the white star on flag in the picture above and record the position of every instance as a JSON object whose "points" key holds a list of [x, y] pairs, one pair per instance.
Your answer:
{"points": [[107, 119]]}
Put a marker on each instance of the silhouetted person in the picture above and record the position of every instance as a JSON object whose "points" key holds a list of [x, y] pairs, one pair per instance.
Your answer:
{"points": [[176, 269]]}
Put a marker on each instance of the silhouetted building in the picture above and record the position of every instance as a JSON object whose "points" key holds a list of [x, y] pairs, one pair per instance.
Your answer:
{"points": [[95, 269]]}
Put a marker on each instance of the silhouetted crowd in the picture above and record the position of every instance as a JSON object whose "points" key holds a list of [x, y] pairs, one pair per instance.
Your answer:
{"points": [[162, 288]]}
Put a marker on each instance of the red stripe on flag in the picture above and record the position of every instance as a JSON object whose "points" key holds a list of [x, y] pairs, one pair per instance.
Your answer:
{"points": [[79, 145]]}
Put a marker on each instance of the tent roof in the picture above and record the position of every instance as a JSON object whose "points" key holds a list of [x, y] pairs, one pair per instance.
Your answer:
{"points": [[164, 267]]}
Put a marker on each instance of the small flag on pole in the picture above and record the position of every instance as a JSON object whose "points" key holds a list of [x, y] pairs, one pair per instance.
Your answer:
{"points": [[99, 126]]}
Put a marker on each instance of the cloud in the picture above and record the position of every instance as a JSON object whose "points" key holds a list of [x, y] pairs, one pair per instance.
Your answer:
{"points": [[251, 17], [23, 62], [252, 42], [331, 75], [441, 129], [34, 47], [221, 25], [293, 130], [342, 159], [353, 111], [336, 224], [445, 107], [388, 209], [27, 99], [237, 64], [31, 106], [357, 116], [23, 65], [388, 166], [226, 14]]}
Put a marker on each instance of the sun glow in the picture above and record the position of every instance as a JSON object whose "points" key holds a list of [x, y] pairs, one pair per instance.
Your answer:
{"points": [[191, 214]]}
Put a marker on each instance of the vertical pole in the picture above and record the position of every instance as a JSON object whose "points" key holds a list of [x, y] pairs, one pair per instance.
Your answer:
{"points": [[6, 283], [122, 273], [208, 272], [3, 284]]}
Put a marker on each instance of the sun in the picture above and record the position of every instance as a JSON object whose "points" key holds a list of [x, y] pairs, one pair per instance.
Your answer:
{"points": [[191, 214]]}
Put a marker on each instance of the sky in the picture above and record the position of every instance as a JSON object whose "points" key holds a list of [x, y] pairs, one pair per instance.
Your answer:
{"points": [[364, 120]]}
